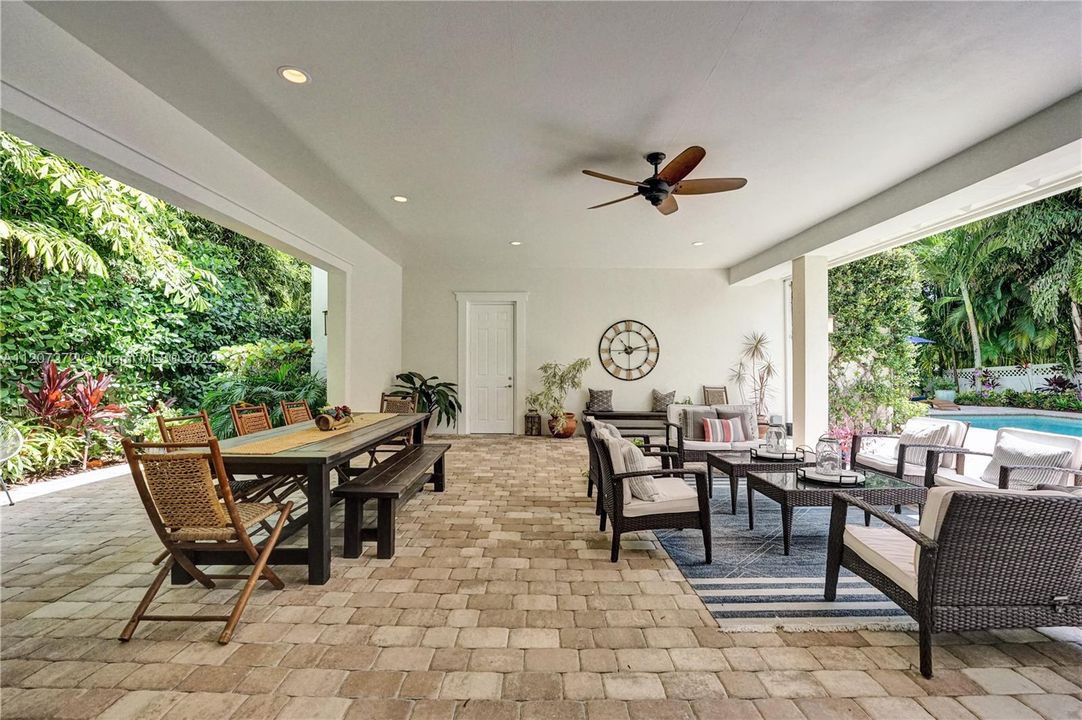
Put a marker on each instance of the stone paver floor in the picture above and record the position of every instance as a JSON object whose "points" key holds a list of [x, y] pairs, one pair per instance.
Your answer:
{"points": [[501, 603]]}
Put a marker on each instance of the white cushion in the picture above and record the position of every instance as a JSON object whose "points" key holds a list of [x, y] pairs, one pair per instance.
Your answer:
{"points": [[674, 496], [923, 434], [887, 550], [887, 464], [948, 477], [612, 429], [957, 431], [1014, 450]]}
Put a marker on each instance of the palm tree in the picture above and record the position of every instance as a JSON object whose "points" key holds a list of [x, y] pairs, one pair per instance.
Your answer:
{"points": [[958, 262]]}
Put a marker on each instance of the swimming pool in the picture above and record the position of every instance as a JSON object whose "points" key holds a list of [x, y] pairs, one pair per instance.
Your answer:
{"points": [[1043, 423]]}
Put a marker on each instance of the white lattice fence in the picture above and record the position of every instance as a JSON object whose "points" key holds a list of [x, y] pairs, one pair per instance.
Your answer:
{"points": [[1010, 377]]}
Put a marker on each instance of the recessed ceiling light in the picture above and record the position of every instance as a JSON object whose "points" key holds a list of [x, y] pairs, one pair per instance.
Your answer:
{"points": [[698, 243], [516, 243], [400, 198], [293, 74]]}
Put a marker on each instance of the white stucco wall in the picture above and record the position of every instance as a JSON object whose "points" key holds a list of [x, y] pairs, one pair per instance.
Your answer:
{"points": [[698, 317], [320, 324]]}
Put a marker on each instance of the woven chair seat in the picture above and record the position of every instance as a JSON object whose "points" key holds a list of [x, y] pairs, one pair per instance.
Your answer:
{"points": [[250, 514]]}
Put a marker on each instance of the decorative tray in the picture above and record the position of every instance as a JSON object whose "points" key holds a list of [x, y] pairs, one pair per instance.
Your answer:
{"points": [[844, 478], [761, 453]]}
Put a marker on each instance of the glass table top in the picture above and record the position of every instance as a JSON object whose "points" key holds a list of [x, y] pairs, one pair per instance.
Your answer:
{"points": [[872, 481]]}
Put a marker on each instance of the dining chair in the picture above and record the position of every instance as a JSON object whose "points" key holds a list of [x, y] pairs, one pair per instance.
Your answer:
{"points": [[296, 411], [185, 428], [248, 419], [389, 403], [191, 507]]}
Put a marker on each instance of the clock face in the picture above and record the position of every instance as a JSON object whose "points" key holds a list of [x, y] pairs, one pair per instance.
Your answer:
{"points": [[628, 350]]}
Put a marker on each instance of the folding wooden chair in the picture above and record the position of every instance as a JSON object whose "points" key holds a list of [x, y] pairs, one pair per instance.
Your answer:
{"points": [[191, 508], [394, 404], [186, 428], [248, 419], [296, 411]]}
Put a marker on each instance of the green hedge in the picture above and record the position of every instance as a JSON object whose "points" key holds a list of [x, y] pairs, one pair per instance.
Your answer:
{"points": [[1068, 401]]}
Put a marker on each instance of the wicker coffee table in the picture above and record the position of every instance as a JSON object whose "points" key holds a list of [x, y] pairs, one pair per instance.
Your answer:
{"points": [[789, 491], [737, 464]]}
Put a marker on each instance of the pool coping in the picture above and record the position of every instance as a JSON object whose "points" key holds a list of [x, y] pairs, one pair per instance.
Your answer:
{"points": [[988, 410]]}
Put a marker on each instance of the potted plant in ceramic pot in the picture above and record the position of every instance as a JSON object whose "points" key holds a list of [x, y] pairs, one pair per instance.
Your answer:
{"points": [[944, 389], [556, 381]]}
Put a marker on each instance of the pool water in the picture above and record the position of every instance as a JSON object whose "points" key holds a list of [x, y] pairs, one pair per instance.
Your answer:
{"points": [[1043, 423]]}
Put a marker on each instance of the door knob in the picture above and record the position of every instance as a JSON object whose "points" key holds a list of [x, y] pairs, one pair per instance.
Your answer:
{"points": [[508, 386]]}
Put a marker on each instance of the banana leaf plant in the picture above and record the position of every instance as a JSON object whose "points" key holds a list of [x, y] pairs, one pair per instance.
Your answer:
{"points": [[434, 396]]}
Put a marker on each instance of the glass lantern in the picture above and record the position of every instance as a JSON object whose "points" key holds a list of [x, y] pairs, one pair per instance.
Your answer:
{"points": [[828, 456], [775, 438]]}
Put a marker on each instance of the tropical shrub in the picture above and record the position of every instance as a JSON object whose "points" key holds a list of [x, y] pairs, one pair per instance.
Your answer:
{"points": [[432, 395], [1064, 401], [44, 450]]}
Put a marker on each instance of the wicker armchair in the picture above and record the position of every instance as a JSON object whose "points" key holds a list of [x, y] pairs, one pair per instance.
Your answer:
{"points": [[980, 560], [686, 507], [190, 508], [888, 455], [294, 412], [660, 455]]}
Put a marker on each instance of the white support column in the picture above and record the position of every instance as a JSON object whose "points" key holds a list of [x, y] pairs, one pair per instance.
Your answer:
{"points": [[319, 322], [338, 340], [811, 349]]}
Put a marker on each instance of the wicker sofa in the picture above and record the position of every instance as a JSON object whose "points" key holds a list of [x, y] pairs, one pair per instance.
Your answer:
{"points": [[683, 433], [687, 506], [981, 559], [887, 453], [970, 468]]}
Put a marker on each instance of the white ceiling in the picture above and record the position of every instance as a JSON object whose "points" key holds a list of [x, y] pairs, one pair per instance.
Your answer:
{"points": [[483, 114]]}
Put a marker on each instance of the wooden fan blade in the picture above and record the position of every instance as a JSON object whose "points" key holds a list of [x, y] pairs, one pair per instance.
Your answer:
{"points": [[668, 206], [709, 185], [613, 202], [610, 178], [679, 167]]}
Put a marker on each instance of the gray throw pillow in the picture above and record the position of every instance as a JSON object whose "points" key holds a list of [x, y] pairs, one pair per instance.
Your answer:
{"points": [[642, 486], [750, 428], [663, 400], [600, 401], [693, 422]]}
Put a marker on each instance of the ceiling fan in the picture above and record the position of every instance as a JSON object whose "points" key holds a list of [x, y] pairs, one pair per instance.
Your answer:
{"points": [[660, 187]]}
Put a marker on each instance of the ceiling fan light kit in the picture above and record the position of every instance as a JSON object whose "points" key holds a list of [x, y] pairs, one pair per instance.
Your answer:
{"points": [[666, 182]]}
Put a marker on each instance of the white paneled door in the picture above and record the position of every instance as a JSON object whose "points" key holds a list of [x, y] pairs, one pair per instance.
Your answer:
{"points": [[492, 368]]}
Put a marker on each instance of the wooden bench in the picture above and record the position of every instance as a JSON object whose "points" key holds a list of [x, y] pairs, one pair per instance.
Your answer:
{"points": [[394, 480]]}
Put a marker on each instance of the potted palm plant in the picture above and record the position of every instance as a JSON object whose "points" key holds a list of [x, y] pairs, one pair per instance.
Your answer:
{"points": [[434, 396], [753, 374], [556, 381]]}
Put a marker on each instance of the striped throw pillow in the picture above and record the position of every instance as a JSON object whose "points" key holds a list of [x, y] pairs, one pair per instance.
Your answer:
{"points": [[1013, 451], [642, 487], [719, 430]]}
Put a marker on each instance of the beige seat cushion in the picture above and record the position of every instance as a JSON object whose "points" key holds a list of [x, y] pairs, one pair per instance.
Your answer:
{"points": [[887, 550], [886, 464], [250, 514], [675, 496], [947, 477]]}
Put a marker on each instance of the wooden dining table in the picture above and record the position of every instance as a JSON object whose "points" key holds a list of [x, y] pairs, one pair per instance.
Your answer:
{"points": [[316, 461]]}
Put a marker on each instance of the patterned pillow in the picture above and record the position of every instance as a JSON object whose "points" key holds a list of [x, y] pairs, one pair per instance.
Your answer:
{"points": [[642, 487], [609, 428], [926, 435], [663, 400], [1012, 451], [719, 430], [600, 401]]}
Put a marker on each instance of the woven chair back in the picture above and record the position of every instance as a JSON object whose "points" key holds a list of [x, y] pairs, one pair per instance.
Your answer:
{"points": [[248, 419], [182, 489], [186, 429], [715, 395], [296, 412], [1009, 549], [397, 404]]}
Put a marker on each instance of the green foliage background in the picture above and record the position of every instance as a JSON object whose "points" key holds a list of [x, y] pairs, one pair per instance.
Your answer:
{"points": [[101, 277]]}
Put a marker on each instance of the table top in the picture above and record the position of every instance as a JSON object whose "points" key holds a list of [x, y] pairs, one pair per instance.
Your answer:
{"points": [[788, 482], [335, 448], [742, 458]]}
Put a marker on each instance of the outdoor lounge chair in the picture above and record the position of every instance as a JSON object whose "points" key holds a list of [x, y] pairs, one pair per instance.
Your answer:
{"points": [[1019, 459], [191, 508], [684, 431], [659, 453], [980, 560], [898, 456], [683, 506]]}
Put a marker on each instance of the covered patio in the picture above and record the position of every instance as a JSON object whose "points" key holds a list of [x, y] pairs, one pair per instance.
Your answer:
{"points": [[426, 160]]}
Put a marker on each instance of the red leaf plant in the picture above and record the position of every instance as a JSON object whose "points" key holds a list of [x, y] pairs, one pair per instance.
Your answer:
{"points": [[51, 403]]}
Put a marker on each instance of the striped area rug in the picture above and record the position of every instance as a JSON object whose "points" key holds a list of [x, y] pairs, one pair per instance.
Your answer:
{"points": [[753, 586]]}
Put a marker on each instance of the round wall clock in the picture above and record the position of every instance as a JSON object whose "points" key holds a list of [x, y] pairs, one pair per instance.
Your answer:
{"points": [[628, 350]]}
